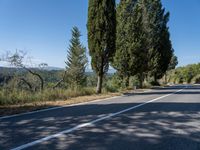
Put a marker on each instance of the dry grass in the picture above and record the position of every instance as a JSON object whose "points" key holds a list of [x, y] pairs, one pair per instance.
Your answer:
{"points": [[57, 98], [27, 107]]}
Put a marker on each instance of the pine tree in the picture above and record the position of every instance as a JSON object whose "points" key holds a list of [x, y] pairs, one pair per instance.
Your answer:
{"points": [[76, 61], [101, 36]]}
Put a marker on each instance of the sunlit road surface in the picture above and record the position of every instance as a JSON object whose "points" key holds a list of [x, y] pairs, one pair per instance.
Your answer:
{"points": [[160, 119]]}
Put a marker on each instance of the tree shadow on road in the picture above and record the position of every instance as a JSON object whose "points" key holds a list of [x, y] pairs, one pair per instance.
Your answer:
{"points": [[155, 126], [162, 91]]}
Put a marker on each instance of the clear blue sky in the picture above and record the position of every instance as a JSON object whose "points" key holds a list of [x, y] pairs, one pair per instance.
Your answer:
{"points": [[42, 28]]}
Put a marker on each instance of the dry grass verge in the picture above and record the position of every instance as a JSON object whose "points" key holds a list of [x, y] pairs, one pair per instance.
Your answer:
{"points": [[27, 107]]}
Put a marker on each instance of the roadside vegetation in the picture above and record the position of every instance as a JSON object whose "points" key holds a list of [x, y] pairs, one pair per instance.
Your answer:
{"points": [[188, 74], [131, 37]]}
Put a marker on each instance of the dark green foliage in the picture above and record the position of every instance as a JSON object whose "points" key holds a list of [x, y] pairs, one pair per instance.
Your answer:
{"points": [[122, 56], [131, 53], [76, 61], [101, 36], [173, 62], [157, 33], [143, 45]]}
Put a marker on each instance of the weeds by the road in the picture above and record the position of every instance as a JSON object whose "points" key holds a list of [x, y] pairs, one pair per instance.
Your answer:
{"points": [[37, 105], [21, 97]]}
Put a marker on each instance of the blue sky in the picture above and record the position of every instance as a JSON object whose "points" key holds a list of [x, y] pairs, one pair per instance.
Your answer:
{"points": [[42, 28]]}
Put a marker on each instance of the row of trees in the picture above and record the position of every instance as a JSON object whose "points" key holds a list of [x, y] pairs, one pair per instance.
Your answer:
{"points": [[134, 38]]}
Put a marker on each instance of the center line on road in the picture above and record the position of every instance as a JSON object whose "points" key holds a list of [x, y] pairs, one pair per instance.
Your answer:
{"points": [[89, 123]]}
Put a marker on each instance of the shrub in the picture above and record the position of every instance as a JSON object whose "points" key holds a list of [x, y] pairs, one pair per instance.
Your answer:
{"points": [[196, 79]]}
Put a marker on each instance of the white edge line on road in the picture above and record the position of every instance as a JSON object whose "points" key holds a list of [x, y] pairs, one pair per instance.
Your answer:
{"points": [[54, 108], [59, 107], [89, 123]]}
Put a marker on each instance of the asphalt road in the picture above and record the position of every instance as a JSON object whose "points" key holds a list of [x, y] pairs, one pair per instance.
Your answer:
{"points": [[162, 119]]}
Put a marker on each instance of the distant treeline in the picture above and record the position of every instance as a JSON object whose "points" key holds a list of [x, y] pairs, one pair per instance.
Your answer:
{"points": [[7, 74], [187, 74]]}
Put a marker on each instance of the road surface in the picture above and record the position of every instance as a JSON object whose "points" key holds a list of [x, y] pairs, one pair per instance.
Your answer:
{"points": [[162, 119]]}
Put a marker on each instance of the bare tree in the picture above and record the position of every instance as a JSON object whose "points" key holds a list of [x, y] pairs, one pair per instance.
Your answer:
{"points": [[17, 60]]}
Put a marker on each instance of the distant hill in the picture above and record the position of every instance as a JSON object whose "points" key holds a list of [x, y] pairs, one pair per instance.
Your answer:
{"points": [[49, 68], [11, 70]]}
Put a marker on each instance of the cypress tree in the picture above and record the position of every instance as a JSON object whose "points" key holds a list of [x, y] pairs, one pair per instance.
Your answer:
{"points": [[131, 52], [139, 51], [159, 46], [122, 56], [76, 61], [101, 36], [173, 62]]}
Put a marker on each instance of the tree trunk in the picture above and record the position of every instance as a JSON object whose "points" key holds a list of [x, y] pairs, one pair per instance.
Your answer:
{"points": [[39, 76], [141, 79], [58, 83], [27, 83], [42, 82], [99, 84], [155, 77], [166, 78]]}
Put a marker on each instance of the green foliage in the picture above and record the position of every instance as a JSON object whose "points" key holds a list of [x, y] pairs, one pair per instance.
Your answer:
{"points": [[187, 74], [123, 45], [173, 62], [101, 36], [134, 81], [158, 37], [76, 61], [143, 43], [196, 79], [131, 54], [114, 84], [11, 78]]}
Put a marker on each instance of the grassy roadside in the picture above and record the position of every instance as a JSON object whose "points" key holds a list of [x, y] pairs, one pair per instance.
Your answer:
{"points": [[59, 100], [27, 107]]}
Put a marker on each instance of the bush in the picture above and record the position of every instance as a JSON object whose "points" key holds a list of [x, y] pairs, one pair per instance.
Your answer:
{"points": [[134, 81], [196, 79], [113, 84]]}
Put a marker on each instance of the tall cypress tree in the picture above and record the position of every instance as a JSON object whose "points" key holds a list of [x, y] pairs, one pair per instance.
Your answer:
{"points": [[101, 36], [122, 56], [139, 43], [131, 52], [173, 62], [159, 46], [76, 61]]}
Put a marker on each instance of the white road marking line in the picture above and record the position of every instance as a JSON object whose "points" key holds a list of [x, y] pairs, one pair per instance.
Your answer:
{"points": [[59, 107], [54, 108], [89, 123]]}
